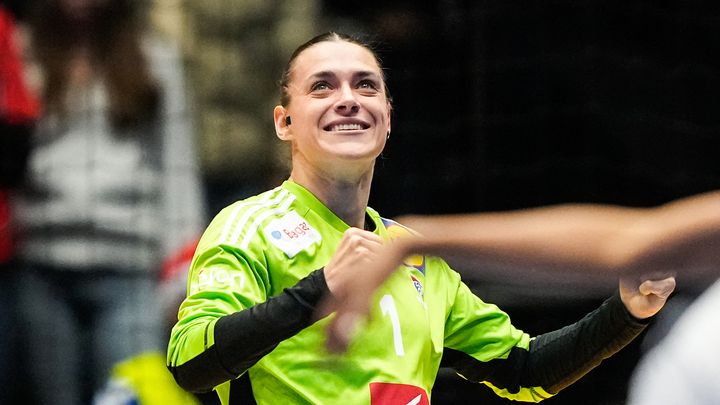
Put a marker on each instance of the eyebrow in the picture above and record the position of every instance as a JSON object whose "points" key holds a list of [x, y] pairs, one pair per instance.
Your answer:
{"points": [[325, 74]]}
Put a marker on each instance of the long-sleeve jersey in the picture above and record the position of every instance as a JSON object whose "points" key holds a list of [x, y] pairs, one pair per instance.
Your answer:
{"points": [[255, 281]]}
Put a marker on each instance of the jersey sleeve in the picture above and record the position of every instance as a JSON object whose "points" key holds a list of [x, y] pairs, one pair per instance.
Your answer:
{"points": [[220, 282], [478, 328], [483, 346], [228, 321]]}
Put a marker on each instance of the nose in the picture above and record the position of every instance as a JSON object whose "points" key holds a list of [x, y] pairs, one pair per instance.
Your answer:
{"points": [[347, 102]]}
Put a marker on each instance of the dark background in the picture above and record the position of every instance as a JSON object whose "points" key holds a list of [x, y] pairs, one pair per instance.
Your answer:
{"points": [[510, 104]]}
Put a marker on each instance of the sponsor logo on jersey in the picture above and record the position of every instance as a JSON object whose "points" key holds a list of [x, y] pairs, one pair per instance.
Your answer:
{"points": [[215, 278], [397, 394], [396, 230], [291, 233]]}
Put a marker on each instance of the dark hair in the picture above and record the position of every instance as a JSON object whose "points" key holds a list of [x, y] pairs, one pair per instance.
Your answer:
{"points": [[327, 37], [113, 41]]}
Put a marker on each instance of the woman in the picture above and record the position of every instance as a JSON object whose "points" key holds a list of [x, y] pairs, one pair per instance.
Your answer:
{"points": [[112, 187], [264, 263]]}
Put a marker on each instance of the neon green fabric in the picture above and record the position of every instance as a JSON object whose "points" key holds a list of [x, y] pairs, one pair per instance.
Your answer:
{"points": [[255, 248]]}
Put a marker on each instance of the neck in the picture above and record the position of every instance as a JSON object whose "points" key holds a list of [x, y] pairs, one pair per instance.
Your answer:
{"points": [[348, 199]]}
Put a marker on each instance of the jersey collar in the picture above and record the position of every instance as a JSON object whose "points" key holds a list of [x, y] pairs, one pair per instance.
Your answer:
{"points": [[308, 199]]}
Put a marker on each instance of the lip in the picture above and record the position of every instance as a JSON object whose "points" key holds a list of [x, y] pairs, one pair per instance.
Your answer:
{"points": [[350, 125]]}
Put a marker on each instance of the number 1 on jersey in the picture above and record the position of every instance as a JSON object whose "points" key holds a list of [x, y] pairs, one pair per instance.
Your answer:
{"points": [[387, 305]]}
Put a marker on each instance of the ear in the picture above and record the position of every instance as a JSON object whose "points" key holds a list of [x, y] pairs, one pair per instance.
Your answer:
{"points": [[389, 116], [282, 129]]}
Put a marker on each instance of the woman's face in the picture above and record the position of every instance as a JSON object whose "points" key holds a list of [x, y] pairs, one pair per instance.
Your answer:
{"points": [[339, 110]]}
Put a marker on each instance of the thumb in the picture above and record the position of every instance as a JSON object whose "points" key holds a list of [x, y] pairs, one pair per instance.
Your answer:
{"points": [[341, 330], [662, 288]]}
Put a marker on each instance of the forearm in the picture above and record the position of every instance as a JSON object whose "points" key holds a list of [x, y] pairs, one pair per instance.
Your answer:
{"points": [[680, 236], [558, 238], [243, 338], [557, 359], [579, 238]]}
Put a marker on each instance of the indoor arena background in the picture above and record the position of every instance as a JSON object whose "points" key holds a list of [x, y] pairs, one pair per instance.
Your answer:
{"points": [[498, 105]]}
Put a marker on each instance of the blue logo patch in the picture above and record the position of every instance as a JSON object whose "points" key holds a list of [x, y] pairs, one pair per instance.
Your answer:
{"points": [[276, 234]]}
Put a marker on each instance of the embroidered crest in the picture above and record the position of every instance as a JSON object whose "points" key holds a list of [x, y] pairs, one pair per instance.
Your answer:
{"points": [[395, 230]]}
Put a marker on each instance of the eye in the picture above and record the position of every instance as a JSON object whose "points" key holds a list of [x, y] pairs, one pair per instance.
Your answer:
{"points": [[320, 86], [367, 85]]}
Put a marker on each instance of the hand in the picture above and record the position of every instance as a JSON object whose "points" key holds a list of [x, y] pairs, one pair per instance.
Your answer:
{"points": [[356, 253], [644, 299], [348, 267], [360, 265]]}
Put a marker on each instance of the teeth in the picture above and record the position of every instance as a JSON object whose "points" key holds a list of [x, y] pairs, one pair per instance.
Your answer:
{"points": [[346, 127]]}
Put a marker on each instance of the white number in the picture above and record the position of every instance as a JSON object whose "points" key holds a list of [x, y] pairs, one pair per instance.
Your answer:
{"points": [[415, 400], [387, 305]]}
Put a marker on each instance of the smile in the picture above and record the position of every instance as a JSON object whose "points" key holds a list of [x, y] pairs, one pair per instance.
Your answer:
{"points": [[346, 127]]}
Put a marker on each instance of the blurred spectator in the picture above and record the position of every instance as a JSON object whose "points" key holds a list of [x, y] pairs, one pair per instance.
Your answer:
{"points": [[18, 111], [234, 49], [112, 189]]}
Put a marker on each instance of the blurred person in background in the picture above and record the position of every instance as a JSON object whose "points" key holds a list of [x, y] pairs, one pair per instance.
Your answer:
{"points": [[112, 189], [18, 112]]}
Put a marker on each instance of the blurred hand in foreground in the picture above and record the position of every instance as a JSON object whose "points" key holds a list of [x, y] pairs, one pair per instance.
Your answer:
{"points": [[366, 271]]}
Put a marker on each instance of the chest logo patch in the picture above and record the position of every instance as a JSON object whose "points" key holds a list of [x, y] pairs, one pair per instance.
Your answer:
{"points": [[291, 233]]}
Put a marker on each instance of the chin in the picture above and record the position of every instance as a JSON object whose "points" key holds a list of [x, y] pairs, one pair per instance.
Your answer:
{"points": [[357, 153]]}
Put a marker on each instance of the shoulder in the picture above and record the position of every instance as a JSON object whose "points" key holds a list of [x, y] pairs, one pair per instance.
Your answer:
{"points": [[238, 222]]}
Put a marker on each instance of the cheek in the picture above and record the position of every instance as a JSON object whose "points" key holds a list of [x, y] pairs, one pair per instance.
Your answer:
{"points": [[386, 111], [385, 119]]}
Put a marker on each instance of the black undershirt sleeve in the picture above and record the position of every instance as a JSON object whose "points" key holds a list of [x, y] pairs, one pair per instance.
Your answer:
{"points": [[243, 338], [559, 358]]}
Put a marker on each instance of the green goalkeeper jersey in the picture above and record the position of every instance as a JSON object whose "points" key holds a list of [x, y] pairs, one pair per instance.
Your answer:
{"points": [[256, 248]]}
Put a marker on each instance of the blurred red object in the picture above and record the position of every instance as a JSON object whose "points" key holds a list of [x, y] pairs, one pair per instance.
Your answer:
{"points": [[19, 109], [179, 261], [17, 104]]}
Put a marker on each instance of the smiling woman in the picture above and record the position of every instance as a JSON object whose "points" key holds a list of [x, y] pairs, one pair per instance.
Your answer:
{"points": [[335, 92], [314, 236]]}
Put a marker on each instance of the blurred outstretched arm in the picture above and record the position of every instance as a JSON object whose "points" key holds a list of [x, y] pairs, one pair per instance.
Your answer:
{"points": [[683, 235]]}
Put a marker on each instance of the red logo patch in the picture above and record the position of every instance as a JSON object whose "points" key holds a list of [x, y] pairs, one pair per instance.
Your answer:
{"points": [[397, 394]]}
